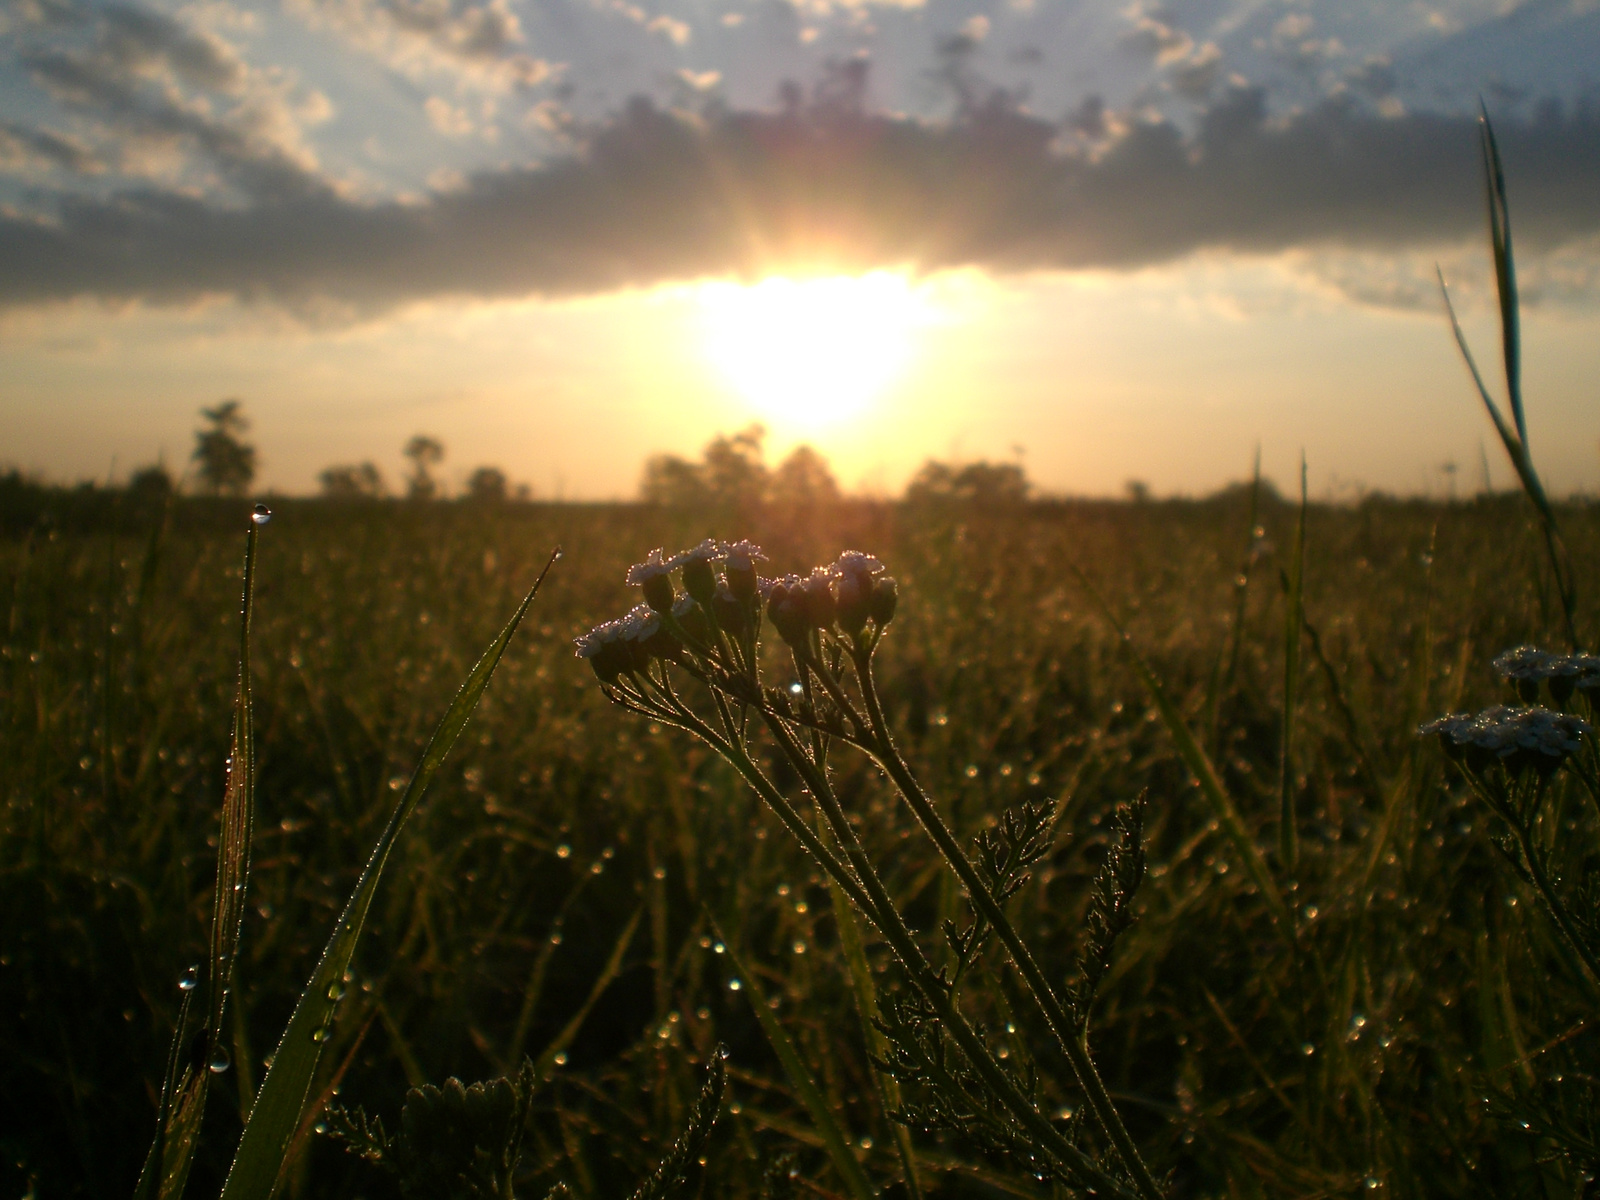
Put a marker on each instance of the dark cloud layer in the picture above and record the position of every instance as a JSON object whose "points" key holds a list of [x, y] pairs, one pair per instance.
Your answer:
{"points": [[655, 197]]}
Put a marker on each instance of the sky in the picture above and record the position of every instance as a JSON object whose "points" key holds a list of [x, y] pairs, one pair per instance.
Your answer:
{"points": [[1113, 241]]}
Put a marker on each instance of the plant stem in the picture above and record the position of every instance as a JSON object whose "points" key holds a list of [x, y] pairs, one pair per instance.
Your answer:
{"points": [[1072, 1036]]}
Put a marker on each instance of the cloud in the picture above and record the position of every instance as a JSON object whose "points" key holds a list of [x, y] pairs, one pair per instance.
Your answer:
{"points": [[657, 196], [159, 100], [477, 41]]}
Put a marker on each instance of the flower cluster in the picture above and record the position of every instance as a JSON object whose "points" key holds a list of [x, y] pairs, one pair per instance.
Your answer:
{"points": [[724, 596], [1527, 667], [1517, 738]]}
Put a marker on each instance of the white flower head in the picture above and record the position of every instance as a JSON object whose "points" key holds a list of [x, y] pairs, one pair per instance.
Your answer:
{"points": [[857, 565], [1524, 664], [655, 564], [743, 556], [640, 624], [708, 551], [1516, 736]]}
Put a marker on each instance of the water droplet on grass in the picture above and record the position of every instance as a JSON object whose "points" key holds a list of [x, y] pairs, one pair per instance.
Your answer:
{"points": [[220, 1061], [262, 514], [190, 980]]}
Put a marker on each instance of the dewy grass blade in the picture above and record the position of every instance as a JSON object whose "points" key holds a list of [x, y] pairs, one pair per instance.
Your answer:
{"points": [[187, 1082], [1199, 764], [1293, 615], [833, 1137], [866, 995], [233, 844], [283, 1093]]}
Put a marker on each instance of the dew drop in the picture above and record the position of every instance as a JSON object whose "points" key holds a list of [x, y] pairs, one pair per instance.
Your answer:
{"points": [[560, 1059], [1372, 1183], [220, 1061], [262, 514], [719, 948], [734, 985], [190, 980], [563, 851], [336, 991], [1307, 1049], [319, 1035]]}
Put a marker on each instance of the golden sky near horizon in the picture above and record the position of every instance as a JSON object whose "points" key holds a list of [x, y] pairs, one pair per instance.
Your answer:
{"points": [[1170, 375]]}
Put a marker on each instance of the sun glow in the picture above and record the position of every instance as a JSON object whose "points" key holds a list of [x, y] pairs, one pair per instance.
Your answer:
{"points": [[811, 352]]}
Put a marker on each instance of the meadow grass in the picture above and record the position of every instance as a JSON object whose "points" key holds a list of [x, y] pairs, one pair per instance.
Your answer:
{"points": [[553, 897]]}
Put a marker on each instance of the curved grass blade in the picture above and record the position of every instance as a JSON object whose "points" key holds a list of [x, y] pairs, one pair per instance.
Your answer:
{"points": [[183, 1094], [1515, 439], [1199, 764], [833, 1137], [276, 1115], [1505, 271], [1293, 616]]}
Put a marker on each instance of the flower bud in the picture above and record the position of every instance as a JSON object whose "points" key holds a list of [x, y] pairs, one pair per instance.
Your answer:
{"points": [[654, 575], [854, 603], [731, 612], [820, 605], [693, 618], [885, 597], [741, 569], [786, 609], [699, 577]]}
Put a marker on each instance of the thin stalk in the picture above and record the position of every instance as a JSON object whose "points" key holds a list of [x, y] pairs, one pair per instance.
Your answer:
{"points": [[1073, 1038], [1294, 611], [880, 910]]}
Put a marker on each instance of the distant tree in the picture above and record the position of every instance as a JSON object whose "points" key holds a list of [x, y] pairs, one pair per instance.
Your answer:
{"points": [[487, 485], [1138, 491], [980, 484], [227, 462], [425, 453], [803, 480], [352, 482], [150, 485], [730, 474]]}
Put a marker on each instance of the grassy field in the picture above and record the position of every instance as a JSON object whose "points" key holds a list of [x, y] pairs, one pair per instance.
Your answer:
{"points": [[553, 897]]}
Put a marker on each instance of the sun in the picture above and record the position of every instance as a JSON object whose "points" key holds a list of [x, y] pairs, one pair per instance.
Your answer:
{"points": [[812, 352]]}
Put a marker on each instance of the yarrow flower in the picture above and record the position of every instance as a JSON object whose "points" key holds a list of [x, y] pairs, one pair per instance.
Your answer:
{"points": [[1516, 737], [1526, 667]]}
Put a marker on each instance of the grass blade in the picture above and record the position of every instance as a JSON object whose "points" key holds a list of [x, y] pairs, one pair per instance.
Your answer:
{"points": [[183, 1102], [1199, 764], [866, 995], [834, 1139], [1505, 272], [1293, 615], [233, 842], [276, 1115]]}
